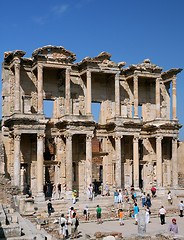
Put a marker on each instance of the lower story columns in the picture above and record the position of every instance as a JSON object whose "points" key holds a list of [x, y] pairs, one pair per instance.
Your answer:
{"points": [[88, 160], [174, 163], [17, 138], [40, 169], [136, 161], [69, 167], [118, 162], [159, 161]]}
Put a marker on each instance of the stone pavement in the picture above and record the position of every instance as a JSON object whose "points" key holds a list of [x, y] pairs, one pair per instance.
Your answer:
{"points": [[129, 228]]}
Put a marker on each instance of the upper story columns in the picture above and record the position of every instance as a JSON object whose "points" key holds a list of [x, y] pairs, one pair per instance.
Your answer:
{"points": [[40, 89], [88, 94], [174, 112], [157, 97], [17, 86], [117, 95], [67, 91], [135, 84]]}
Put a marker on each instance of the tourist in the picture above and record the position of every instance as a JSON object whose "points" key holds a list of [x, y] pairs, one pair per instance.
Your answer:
{"points": [[131, 189], [72, 212], [121, 217], [181, 208], [69, 215], [74, 196], [169, 197], [173, 227], [134, 196], [28, 190], [162, 214], [143, 198], [147, 215], [86, 213], [74, 226], [59, 191], [120, 198], [106, 190], [90, 191], [54, 192], [101, 190], [66, 228], [62, 223], [126, 195], [49, 207], [148, 200], [136, 210], [116, 194], [153, 191], [99, 212]]}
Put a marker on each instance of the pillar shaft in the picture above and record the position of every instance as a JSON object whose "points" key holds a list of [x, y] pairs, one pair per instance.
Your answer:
{"points": [[159, 161], [17, 87], [69, 167], [174, 163], [118, 162], [136, 161], [40, 169], [40, 89], [117, 95], [88, 95], [136, 96], [67, 91], [88, 160], [157, 97], [174, 98], [17, 139]]}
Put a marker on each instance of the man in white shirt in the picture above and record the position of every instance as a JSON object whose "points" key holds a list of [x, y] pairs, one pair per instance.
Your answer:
{"points": [[62, 222], [162, 214], [181, 208]]}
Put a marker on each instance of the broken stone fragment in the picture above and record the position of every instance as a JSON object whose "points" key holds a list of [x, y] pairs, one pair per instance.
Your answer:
{"points": [[121, 64], [147, 60]]}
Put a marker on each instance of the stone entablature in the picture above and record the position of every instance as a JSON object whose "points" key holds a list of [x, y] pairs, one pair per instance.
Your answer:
{"points": [[134, 124]]}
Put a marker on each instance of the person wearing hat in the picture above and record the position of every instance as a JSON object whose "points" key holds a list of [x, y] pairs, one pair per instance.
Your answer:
{"points": [[86, 213], [74, 195], [62, 222], [173, 226]]}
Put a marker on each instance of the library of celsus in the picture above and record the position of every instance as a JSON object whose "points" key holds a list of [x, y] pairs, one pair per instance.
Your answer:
{"points": [[136, 135]]}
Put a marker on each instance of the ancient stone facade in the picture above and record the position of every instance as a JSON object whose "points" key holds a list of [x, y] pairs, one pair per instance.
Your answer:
{"points": [[138, 138]]}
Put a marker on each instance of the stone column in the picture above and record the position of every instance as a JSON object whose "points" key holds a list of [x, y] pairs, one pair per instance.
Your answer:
{"points": [[40, 169], [88, 95], [67, 91], [157, 97], [69, 167], [159, 160], [136, 161], [117, 95], [174, 163], [118, 176], [88, 160], [135, 96], [40, 89], [174, 98], [17, 138], [17, 87]]}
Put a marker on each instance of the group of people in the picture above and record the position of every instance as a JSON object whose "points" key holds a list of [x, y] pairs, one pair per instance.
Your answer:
{"points": [[64, 223]]}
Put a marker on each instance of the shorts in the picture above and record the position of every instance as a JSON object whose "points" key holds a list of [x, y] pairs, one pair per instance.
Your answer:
{"points": [[98, 215], [116, 199], [136, 217], [120, 200], [121, 220], [74, 231]]}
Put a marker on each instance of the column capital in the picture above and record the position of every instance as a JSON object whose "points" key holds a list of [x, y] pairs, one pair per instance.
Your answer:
{"points": [[40, 67], [68, 136], [89, 137], [40, 136], [17, 65], [17, 136], [158, 79], [175, 139], [159, 138], [136, 139], [117, 137]]}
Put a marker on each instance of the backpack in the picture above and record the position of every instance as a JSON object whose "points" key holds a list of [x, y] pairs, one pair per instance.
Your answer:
{"points": [[62, 224], [76, 223]]}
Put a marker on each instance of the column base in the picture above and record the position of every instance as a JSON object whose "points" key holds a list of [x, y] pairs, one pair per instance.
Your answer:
{"points": [[40, 197], [68, 195]]}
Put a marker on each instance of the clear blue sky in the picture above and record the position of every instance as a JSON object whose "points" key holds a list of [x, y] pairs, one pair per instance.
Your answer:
{"points": [[130, 30]]}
